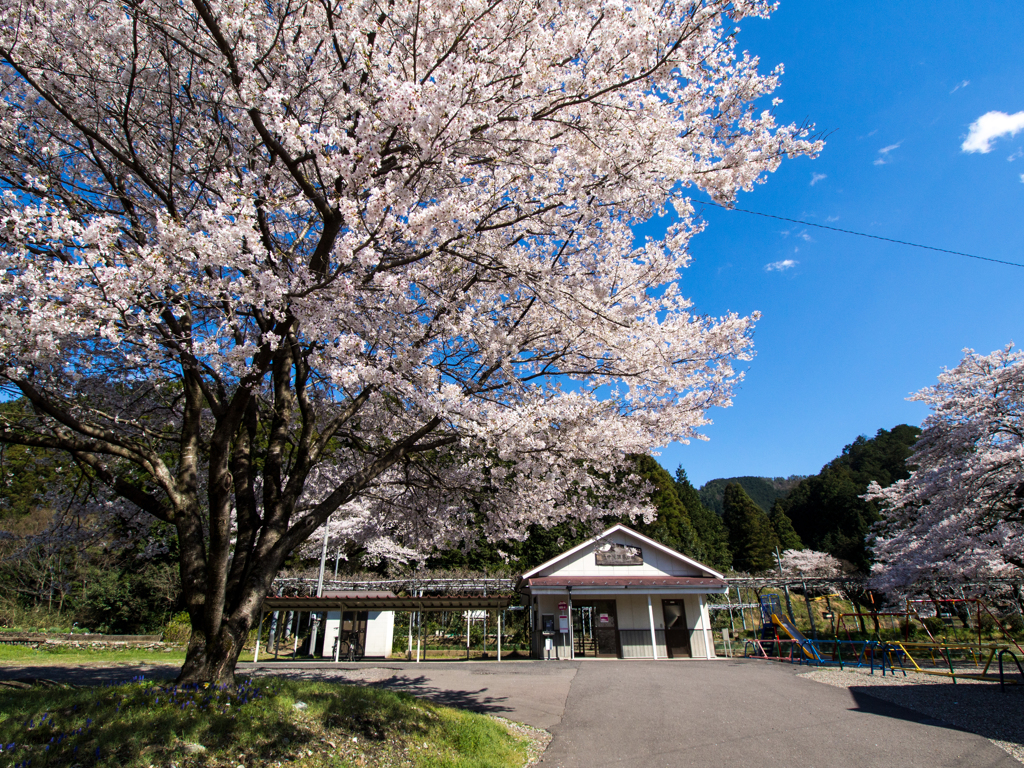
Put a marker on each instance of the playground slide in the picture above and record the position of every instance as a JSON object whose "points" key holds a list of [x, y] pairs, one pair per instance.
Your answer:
{"points": [[805, 645]]}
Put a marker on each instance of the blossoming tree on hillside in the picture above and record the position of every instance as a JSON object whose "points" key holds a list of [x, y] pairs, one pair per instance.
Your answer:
{"points": [[961, 512], [810, 563], [265, 262]]}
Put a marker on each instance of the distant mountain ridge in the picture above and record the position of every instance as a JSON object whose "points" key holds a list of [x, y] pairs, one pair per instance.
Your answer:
{"points": [[763, 490]]}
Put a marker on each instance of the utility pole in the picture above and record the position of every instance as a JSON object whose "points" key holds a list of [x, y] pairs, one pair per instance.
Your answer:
{"points": [[320, 588], [789, 605]]}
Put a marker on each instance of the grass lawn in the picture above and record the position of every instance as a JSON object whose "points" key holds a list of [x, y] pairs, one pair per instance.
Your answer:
{"points": [[55, 655], [62, 655], [266, 722]]}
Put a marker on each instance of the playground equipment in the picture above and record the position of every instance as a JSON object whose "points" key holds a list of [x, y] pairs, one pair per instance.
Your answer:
{"points": [[781, 640], [794, 634]]}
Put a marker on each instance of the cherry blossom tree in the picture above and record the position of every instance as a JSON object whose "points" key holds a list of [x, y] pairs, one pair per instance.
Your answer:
{"points": [[961, 512], [810, 563], [269, 262]]}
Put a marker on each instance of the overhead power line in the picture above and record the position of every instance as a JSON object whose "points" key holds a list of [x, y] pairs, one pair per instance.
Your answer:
{"points": [[858, 234]]}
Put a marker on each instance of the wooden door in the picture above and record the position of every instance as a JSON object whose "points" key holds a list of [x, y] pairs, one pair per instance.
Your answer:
{"points": [[677, 632], [606, 628]]}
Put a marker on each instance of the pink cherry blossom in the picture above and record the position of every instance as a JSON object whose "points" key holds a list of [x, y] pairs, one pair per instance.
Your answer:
{"points": [[265, 263], [961, 513]]}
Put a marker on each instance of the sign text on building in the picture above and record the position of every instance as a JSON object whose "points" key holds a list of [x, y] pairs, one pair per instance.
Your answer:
{"points": [[610, 553]]}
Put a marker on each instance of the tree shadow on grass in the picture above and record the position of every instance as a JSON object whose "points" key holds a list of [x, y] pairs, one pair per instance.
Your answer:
{"points": [[393, 679], [478, 700], [138, 724], [88, 675]]}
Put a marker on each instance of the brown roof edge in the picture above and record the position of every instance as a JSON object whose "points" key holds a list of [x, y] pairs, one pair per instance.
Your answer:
{"points": [[386, 603], [625, 581]]}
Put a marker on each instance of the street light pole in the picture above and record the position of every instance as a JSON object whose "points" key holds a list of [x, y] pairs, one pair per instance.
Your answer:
{"points": [[319, 588]]}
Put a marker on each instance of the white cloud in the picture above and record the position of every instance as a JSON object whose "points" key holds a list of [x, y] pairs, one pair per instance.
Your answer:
{"points": [[1022, 178], [832, 218], [1016, 155], [883, 153], [779, 266], [805, 237], [961, 84], [816, 177], [989, 127]]}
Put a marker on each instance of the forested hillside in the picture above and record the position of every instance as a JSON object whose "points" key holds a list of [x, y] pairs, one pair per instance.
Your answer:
{"points": [[826, 509], [88, 580], [763, 491], [683, 523]]}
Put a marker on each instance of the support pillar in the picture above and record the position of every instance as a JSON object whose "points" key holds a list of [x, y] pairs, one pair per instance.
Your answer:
{"points": [[419, 634], [408, 652], [810, 613], [273, 631], [259, 633], [732, 623], [654, 635], [705, 624], [572, 638], [789, 606], [319, 593], [337, 638]]}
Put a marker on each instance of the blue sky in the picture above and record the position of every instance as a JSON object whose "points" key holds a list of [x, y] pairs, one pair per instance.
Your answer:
{"points": [[855, 325]]}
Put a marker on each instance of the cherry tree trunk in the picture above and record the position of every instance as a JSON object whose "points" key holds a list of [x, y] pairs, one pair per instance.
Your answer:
{"points": [[213, 661]]}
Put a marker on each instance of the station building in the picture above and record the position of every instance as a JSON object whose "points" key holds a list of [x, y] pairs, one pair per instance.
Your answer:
{"points": [[375, 630], [621, 595]]}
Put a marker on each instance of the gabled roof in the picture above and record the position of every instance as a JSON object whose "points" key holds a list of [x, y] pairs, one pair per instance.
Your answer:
{"points": [[629, 531]]}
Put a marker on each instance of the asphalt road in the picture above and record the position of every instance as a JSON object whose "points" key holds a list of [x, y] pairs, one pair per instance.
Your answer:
{"points": [[743, 713], [646, 714]]}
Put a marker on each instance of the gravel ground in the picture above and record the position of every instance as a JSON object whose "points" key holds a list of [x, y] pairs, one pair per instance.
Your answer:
{"points": [[971, 705], [538, 738]]}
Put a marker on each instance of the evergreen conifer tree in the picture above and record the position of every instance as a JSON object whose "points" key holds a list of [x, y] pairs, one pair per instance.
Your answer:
{"points": [[783, 527], [711, 531], [673, 526], [828, 510], [752, 539]]}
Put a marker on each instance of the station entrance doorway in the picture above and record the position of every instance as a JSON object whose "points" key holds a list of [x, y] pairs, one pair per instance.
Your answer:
{"points": [[677, 635], [595, 629]]}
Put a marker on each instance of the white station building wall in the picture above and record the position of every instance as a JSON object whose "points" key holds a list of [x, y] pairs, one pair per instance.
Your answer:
{"points": [[632, 608], [633, 615], [656, 563], [380, 633]]}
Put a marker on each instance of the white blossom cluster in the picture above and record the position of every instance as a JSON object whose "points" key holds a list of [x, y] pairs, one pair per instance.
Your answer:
{"points": [[810, 563], [265, 262], [961, 512]]}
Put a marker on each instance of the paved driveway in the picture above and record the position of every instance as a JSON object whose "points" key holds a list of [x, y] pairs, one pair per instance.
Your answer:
{"points": [[646, 714], [745, 713]]}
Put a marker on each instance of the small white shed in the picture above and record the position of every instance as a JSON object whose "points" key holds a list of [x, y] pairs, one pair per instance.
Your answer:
{"points": [[372, 631], [621, 595]]}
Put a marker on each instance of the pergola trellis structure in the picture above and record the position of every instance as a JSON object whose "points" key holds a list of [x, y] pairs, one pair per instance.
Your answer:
{"points": [[860, 583], [411, 585], [383, 602], [477, 593]]}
